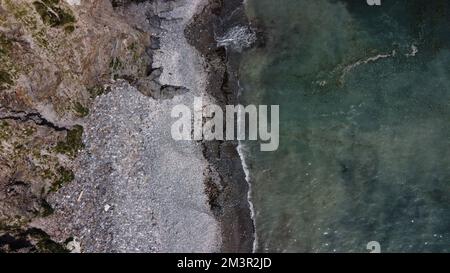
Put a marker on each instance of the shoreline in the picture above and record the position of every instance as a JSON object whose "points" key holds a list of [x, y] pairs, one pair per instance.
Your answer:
{"points": [[229, 194], [249, 194], [243, 21]]}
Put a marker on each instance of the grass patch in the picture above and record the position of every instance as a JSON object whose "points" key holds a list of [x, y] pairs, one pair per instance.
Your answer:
{"points": [[69, 29], [64, 176], [6, 80], [80, 110], [96, 91], [52, 14], [73, 143], [5, 45], [45, 243], [115, 64], [47, 209]]}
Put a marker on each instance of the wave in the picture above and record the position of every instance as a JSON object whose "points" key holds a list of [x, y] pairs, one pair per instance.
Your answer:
{"points": [[241, 149], [238, 38]]}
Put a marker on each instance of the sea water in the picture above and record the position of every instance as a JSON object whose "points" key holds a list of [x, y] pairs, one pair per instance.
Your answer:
{"points": [[364, 95]]}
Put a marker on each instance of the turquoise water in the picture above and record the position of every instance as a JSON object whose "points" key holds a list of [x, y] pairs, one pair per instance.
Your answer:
{"points": [[364, 125]]}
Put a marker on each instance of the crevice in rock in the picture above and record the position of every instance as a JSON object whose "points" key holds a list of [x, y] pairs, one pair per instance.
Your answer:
{"points": [[34, 117]]}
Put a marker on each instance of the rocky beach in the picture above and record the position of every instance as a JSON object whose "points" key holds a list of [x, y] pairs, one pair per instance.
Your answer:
{"points": [[87, 160]]}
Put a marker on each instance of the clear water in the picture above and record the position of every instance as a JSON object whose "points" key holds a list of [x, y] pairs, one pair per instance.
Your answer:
{"points": [[364, 140]]}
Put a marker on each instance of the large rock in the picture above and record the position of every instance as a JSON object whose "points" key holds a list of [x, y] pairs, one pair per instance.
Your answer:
{"points": [[55, 58]]}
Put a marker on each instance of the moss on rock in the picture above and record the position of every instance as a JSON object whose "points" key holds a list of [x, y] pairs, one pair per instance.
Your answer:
{"points": [[5, 45], [80, 110], [53, 14], [96, 91], [6, 80], [31, 240], [73, 143], [64, 176]]}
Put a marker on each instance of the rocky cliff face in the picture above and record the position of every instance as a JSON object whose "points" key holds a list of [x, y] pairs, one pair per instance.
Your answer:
{"points": [[84, 155], [55, 57]]}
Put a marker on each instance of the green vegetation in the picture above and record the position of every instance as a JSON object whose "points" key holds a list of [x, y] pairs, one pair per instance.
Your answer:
{"points": [[22, 13], [52, 14], [4, 130], [4, 124], [47, 209], [96, 91], [80, 110], [5, 45], [29, 131], [6, 79], [115, 64], [12, 223], [133, 48], [64, 176], [73, 143], [69, 29], [31, 239], [45, 243], [47, 174]]}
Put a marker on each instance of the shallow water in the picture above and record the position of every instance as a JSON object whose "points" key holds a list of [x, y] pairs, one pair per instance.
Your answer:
{"points": [[364, 125]]}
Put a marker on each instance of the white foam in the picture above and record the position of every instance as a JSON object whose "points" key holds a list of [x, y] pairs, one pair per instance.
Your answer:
{"points": [[238, 38], [350, 67], [241, 152]]}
